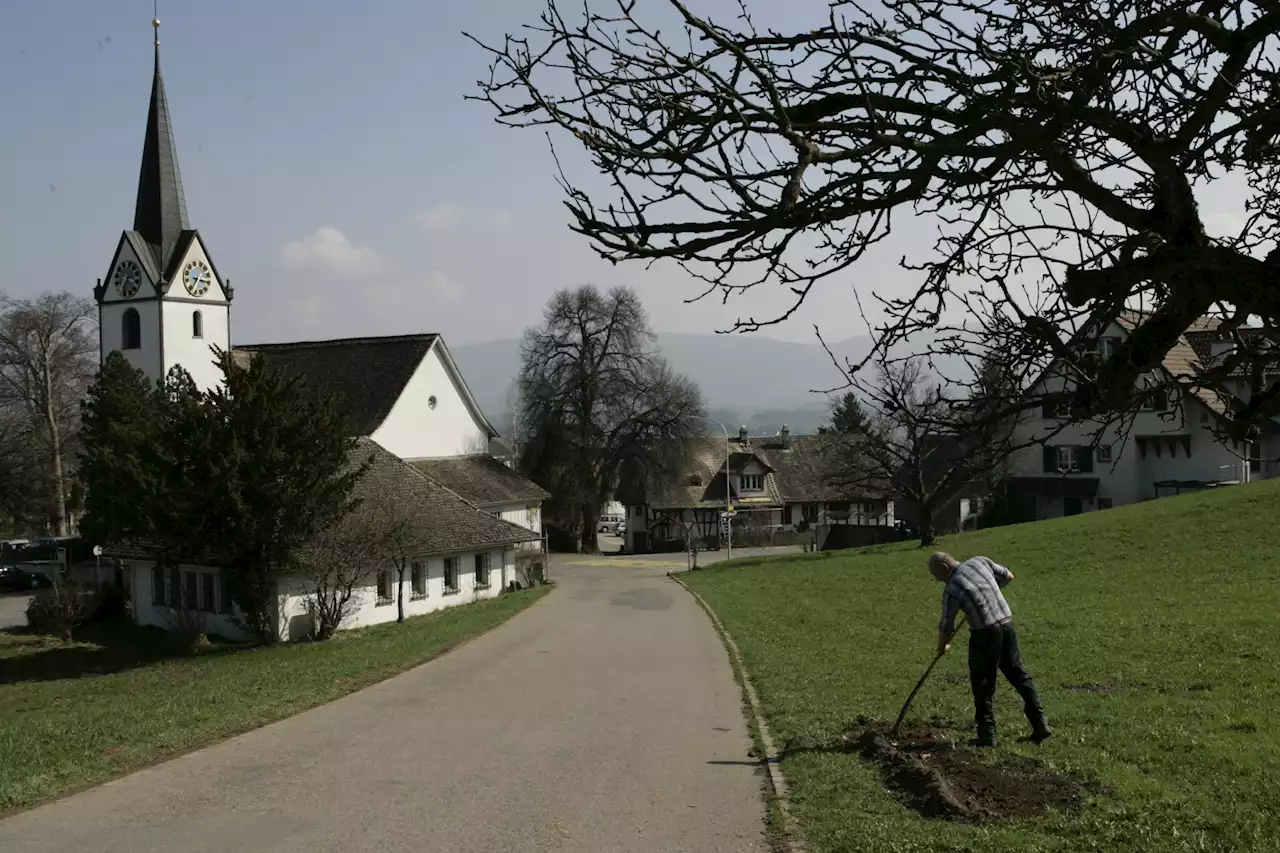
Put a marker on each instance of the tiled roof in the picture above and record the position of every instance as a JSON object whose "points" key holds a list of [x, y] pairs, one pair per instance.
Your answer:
{"points": [[1192, 354], [437, 520], [481, 479], [801, 472], [367, 375]]}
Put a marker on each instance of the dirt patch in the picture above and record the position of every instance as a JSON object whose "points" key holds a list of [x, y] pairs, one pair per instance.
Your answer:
{"points": [[924, 768]]}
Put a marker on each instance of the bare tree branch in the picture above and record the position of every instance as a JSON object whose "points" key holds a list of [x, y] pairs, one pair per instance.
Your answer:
{"points": [[1057, 149]]}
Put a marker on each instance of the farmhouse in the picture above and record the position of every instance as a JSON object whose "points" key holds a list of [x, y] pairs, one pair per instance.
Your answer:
{"points": [[457, 553], [775, 484], [1169, 447], [164, 304]]}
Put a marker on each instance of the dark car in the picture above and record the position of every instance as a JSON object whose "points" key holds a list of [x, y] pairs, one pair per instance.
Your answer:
{"points": [[14, 579]]}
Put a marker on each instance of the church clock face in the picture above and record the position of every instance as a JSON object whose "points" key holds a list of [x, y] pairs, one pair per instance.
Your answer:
{"points": [[197, 278], [128, 279]]}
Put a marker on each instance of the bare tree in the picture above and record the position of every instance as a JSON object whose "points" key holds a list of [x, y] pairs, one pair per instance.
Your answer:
{"points": [[340, 561], [397, 545], [915, 446], [1057, 149], [595, 394], [48, 353]]}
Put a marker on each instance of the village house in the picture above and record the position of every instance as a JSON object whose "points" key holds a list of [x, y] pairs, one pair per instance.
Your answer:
{"points": [[164, 303], [456, 554], [775, 484], [1168, 447]]}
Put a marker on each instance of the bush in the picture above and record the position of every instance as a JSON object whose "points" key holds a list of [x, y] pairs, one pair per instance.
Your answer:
{"points": [[58, 610], [110, 605]]}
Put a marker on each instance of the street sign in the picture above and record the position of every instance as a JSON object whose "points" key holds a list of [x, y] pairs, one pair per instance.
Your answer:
{"points": [[97, 550]]}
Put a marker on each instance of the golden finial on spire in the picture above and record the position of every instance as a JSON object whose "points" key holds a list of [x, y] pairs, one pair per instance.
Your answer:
{"points": [[155, 19]]}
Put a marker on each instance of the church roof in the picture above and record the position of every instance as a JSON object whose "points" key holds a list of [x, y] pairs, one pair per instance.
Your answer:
{"points": [[160, 215], [481, 479], [437, 519], [367, 375]]}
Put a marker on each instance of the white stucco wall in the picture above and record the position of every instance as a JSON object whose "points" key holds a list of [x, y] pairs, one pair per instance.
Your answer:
{"points": [[166, 326], [145, 612], [147, 357], [367, 611], [1130, 476], [294, 620], [414, 429]]}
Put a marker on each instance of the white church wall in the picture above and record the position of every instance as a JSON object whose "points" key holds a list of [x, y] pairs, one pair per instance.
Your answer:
{"points": [[431, 419], [182, 347], [146, 357]]}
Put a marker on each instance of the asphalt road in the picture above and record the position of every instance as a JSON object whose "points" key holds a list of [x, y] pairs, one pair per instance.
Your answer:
{"points": [[605, 719]]}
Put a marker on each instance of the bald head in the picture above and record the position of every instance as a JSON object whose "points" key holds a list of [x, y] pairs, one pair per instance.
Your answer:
{"points": [[940, 565]]}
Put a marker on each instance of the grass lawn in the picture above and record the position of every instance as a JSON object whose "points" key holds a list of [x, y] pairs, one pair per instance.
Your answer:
{"points": [[1171, 609], [127, 708]]}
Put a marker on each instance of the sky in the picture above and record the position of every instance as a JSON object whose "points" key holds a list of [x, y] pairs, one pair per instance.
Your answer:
{"points": [[333, 168], [330, 162]]}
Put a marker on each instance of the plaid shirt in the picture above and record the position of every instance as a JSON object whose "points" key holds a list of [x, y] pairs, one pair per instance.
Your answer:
{"points": [[974, 587]]}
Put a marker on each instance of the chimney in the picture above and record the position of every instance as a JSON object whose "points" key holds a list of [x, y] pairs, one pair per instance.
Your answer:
{"points": [[785, 435], [742, 433]]}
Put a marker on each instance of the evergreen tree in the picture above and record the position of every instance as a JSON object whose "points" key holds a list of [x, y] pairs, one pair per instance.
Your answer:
{"points": [[847, 416], [121, 420], [276, 465]]}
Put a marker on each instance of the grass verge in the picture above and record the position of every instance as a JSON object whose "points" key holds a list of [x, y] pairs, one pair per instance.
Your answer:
{"points": [[77, 714], [1150, 631]]}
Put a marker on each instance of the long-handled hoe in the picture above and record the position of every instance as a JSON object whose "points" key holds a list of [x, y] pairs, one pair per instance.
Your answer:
{"points": [[894, 734]]}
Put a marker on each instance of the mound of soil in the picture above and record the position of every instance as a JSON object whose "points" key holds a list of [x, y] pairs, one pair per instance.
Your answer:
{"points": [[925, 769]]}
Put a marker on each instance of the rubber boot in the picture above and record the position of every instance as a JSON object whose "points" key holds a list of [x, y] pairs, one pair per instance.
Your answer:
{"points": [[1040, 731], [986, 737]]}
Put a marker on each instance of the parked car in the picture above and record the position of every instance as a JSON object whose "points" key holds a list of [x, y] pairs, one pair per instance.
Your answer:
{"points": [[14, 579], [610, 523]]}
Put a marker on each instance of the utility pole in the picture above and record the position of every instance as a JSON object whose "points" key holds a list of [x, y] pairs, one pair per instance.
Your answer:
{"points": [[728, 499]]}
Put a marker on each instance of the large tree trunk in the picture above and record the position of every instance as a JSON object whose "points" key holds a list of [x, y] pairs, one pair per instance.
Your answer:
{"points": [[928, 537], [55, 449], [590, 535]]}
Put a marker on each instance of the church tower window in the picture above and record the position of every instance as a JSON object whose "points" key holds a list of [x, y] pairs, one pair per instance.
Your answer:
{"points": [[197, 325], [132, 331]]}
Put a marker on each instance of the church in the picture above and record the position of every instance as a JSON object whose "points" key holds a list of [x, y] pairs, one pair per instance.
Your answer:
{"points": [[474, 520]]}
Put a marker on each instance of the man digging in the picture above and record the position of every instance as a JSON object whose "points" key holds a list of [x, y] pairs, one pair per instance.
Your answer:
{"points": [[974, 587]]}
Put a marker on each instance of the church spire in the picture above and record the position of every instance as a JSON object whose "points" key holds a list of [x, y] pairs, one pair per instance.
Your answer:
{"points": [[160, 216]]}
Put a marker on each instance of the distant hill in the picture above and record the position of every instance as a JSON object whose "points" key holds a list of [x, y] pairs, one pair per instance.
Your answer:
{"points": [[745, 379]]}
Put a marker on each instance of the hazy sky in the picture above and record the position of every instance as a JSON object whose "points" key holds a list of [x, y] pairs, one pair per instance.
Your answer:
{"points": [[330, 162]]}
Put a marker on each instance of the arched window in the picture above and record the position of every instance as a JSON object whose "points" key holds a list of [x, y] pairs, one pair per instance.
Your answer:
{"points": [[132, 331], [197, 325]]}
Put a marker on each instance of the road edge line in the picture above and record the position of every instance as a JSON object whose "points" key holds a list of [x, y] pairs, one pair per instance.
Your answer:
{"points": [[778, 791]]}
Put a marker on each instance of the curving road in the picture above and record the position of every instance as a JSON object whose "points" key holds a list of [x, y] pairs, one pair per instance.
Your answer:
{"points": [[604, 719]]}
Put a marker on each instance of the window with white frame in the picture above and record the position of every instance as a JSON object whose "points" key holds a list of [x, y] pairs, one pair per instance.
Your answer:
{"points": [[1068, 458], [418, 579], [752, 482], [1104, 453], [384, 587], [482, 570], [450, 575]]}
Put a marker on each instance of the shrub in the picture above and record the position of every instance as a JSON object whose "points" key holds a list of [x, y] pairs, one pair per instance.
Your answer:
{"points": [[58, 610]]}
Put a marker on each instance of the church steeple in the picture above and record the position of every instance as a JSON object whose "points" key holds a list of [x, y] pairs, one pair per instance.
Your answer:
{"points": [[160, 216]]}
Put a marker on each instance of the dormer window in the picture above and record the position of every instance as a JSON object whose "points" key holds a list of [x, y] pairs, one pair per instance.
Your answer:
{"points": [[752, 482], [1107, 347]]}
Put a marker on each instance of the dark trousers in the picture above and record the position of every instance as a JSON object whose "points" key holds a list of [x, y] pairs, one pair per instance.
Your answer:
{"points": [[995, 649]]}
